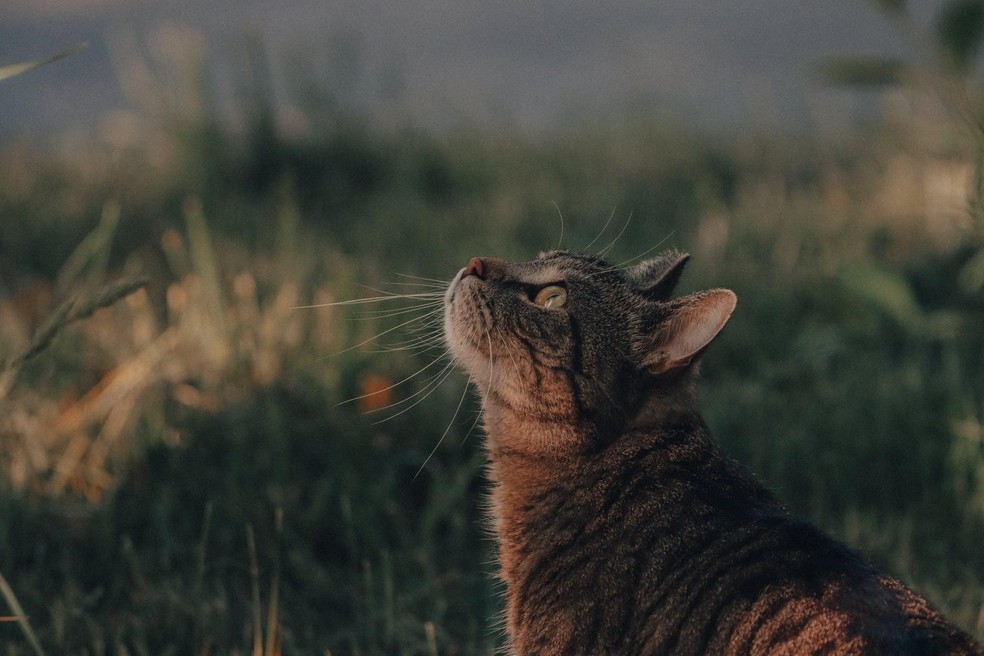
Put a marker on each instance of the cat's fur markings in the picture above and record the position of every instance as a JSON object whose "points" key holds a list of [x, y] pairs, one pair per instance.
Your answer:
{"points": [[622, 528]]}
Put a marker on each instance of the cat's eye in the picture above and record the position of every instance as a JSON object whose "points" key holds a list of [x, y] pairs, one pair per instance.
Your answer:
{"points": [[551, 296]]}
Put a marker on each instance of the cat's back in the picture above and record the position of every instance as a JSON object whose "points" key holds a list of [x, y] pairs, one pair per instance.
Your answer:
{"points": [[662, 545]]}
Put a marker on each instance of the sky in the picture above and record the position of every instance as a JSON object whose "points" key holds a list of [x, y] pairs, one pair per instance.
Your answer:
{"points": [[507, 62]]}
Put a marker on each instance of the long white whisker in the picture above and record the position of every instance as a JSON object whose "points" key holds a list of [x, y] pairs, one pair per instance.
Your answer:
{"points": [[423, 342], [509, 351], [603, 229], [478, 416], [443, 283], [386, 389], [610, 246], [385, 314], [414, 350], [464, 392], [426, 283], [433, 287], [432, 384], [427, 339], [418, 345], [561, 215], [373, 299], [387, 331], [491, 363], [395, 295], [624, 265], [429, 325], [488, 336]]}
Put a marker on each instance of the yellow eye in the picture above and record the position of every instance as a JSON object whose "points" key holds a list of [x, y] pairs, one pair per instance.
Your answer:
{"points": [[551, 297]]}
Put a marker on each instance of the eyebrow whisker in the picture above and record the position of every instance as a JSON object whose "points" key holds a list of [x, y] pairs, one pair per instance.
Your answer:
{"points": [[610, 246], [603, 229]]}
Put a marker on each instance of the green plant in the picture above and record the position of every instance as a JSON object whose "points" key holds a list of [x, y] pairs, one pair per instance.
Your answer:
{"points": [[944, 62], [12, 70]]}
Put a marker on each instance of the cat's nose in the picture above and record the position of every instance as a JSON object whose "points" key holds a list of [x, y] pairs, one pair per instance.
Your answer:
{"points": [[475, 267]]}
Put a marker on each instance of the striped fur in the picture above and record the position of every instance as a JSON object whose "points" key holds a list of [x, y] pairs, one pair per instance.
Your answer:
{"points": [[622, 528]]}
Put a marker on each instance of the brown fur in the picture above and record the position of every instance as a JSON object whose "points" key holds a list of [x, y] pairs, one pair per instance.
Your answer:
{"points": [[622, 529]]}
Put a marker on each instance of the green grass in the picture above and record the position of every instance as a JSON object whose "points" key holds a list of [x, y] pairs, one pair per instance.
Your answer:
{"points": [[851, 377]]}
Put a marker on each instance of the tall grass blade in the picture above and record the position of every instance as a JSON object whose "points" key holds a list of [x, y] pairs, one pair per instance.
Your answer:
{"points": [[25, 624], [12, 70], [203, 256], [431, 635], [73, 310], [273, 611], [92, 253], [254, 573], [68, 312]]}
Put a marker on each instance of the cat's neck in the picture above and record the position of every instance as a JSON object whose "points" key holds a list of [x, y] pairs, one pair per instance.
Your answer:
{"points": [[528, 456], [561, 434], [542, 502]]}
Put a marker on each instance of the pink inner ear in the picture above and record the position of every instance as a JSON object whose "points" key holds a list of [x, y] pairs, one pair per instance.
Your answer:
{"points": [[691, 328]]}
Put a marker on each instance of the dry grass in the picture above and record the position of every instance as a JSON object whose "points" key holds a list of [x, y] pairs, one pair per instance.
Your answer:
{"points": [[221, 335]]}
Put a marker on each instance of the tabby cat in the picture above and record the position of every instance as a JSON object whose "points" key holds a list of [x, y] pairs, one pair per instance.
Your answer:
{"points": [[622, 528]]}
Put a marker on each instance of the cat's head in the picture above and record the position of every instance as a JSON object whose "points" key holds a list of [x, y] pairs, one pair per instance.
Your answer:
{"points": [[570, 342]]}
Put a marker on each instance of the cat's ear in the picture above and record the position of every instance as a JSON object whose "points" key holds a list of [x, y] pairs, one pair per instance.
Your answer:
{"points": [[688, 324], [658, 276]]}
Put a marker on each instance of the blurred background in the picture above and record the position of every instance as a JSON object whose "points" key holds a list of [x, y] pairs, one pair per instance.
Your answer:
{"points": [[204, 449]]}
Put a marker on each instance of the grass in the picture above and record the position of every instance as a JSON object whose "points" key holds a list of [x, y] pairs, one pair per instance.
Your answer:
{"points": [[178, 472]]}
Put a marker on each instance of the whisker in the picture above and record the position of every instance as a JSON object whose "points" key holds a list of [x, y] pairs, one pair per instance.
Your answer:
{"points": [[461, 401], [373, 299], [432, 384], [386, 389], [443, 283], [420, 340], [388, 330], [419, 345], [603, 229], [385, 314], [509, 351], [394, 294], [416, 351], [610, 246], [478, 415], [624, 265], [517, 379], [561, 215], [488, 336], [491, 364], [425, 285], [431, 326]]}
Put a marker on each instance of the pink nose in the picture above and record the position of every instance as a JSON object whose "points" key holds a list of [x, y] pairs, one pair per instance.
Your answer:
{"points": [[475, 268]]}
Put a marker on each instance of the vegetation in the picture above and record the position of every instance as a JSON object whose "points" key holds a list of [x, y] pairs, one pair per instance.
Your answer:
{"points": [[179, 473]]}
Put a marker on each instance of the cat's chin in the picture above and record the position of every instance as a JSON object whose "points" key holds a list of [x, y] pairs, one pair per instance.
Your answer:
{"points": [[461, 337]]}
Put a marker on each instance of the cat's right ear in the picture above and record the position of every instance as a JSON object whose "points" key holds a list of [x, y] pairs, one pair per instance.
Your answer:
{"points": [[657, 277], [684, 328]]}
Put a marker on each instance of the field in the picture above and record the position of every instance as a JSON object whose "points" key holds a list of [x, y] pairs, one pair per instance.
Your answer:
{"points": [[183, 469]]}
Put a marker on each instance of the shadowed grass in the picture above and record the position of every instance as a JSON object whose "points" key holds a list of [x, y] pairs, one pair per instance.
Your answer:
{"points": [[19, 616]]}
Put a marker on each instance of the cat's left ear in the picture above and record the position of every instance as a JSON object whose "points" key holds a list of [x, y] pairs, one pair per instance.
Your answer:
{"points": [[686, 326], [657, 277]]}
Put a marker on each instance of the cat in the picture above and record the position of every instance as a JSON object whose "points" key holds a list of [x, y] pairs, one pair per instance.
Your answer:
{"points": [[621, 527]]}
